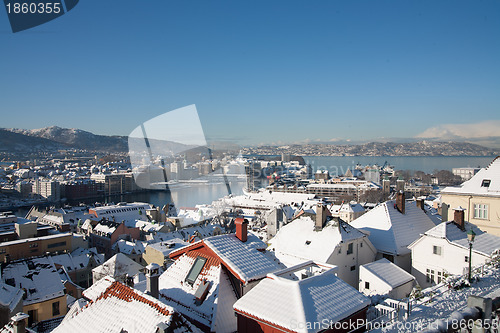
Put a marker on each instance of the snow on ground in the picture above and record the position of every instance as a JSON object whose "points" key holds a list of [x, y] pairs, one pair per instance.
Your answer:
{"points": [[445, 301]]}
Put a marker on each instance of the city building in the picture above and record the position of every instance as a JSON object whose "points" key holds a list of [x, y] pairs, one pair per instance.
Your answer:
{"points": [[208, 277], [444, 250], [116, 307], [44, 293], [392, 226], [480, 196], [36, 246], [324, 240], [382, 277], [465, 173], [304, 298]]}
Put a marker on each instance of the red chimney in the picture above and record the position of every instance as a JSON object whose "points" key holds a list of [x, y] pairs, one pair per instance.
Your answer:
{"points": [[400, 202], [241, 229], [459, 217]]}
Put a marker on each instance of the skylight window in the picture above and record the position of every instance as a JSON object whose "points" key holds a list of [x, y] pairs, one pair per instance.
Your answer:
{"points": [[195, 269], [486, 183]]}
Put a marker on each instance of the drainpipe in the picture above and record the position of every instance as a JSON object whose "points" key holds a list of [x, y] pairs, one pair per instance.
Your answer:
{"points": [[468, 207]]}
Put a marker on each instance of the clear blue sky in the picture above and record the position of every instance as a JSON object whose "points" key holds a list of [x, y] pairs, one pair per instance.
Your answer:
{"points": [[258, 71]]}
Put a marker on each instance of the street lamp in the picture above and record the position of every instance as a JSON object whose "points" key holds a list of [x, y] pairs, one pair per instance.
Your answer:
{"points": [[470, 238]]}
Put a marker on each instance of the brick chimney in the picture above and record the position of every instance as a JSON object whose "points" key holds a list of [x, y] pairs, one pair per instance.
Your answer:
{"points": [[420, 204], [459, 217], [152, 277], [241, 229], [400, 202], [321, 213], [19, 322]]}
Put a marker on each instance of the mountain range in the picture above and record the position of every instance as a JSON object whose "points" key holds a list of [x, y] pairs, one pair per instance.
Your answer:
{"points": [[48, 139]]}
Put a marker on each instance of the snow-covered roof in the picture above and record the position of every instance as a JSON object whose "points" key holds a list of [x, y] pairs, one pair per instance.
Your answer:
{"points": [[38, 276], [390, 230], [168, 246], [484, 243], [120, 308], [98, 287], [298, 240], [351, 208], [10, 296], [118, 266], [185, 233], [77, 261], [128, 247], [282, 301], [388, 272], [486, 182], [243, 258], [175, 291]]}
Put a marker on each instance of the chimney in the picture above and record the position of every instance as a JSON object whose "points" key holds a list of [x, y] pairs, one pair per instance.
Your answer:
{"points": [[152, 277], [19, 322], [129, 280], [400, 202], [321, 213], [444, 212], [420, 204], [459, 217], [241, 229]]}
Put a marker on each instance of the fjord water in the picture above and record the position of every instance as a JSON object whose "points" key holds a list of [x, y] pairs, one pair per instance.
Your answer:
{"points": [[338, 165]]}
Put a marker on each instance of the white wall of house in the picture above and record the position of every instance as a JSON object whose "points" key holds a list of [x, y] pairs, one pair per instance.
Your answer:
{"points": [[363, 252], [371, 284], [451, 260], [403, 261]]}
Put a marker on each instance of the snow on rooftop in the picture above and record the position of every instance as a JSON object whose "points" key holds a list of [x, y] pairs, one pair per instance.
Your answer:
{"points": [[485, 182], [38, 276], [178, 293], [168, 246], [299, 241], [391, 274], [10, 296], [243, 258], [316, 299], [119, 308], [117, 266], [391, 231], [484, 242]]}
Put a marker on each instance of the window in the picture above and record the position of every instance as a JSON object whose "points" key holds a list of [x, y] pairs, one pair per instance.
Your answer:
{"points": [[440, 277], [481, 211], [367, 285], [430, 276], [33, 317], [486, 183], [55, 308], [436, 250], [56, 245], [353, 268], [195, 269], [466, 258], [350, 248]]}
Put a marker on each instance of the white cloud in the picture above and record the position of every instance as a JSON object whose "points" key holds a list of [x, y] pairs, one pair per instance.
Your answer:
{"points": [[484, 129]]}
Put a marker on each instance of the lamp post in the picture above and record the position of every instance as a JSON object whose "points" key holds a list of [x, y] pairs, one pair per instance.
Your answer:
{"points": [[470, 238]]}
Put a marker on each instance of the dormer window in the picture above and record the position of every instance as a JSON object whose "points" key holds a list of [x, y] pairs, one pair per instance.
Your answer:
{"points": [[486, 183], [195, 270]]}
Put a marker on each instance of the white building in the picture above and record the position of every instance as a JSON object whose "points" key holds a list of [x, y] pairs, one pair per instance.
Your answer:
{"points": [[444, 249], [393, 225], [465, 173], [47, 189], [382, 277], [335, 242], [480, 196]]}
